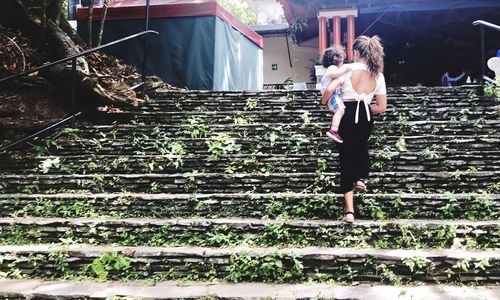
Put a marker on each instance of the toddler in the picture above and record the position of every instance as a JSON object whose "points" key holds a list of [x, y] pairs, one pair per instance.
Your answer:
{"points": [[333, 60]]}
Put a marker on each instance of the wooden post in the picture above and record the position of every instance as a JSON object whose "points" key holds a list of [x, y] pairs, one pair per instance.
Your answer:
{"points": [[322, 34], [337, 40], [351, 34]]}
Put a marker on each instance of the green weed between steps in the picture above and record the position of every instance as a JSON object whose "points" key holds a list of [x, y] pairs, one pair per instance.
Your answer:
{"points": [[276, 234], [492, 90], [243, 267], [473, 207]]}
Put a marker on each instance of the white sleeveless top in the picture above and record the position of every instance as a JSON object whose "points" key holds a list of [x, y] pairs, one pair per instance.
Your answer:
{"points": [[350, 94]]}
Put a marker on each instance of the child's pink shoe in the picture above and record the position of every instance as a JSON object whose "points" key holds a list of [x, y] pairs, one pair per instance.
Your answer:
{"points": [[334, 135]]}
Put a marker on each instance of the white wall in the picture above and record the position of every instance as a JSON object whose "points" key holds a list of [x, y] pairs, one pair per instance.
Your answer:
{"points": [[275, 52]]}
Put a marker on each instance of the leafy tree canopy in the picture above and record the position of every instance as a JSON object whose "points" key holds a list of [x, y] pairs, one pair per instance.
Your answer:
{"points": [[241, 10]]}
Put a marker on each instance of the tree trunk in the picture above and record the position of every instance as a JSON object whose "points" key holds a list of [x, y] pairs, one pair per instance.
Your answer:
{"points": [[89, 24], [92, 88], [101, 28]]}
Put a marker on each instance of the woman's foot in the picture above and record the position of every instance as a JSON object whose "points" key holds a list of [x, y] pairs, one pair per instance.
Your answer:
{"points": [[349, 217], [360, 186]]}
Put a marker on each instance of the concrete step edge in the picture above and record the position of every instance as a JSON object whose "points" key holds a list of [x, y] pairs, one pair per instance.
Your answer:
{"points": [[222, 290]]}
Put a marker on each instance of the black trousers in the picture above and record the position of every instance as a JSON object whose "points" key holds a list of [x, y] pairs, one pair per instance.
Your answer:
{"points": [[353, 152]]}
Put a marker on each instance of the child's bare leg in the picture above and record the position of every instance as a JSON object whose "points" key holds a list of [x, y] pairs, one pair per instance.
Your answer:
{"points": [[337, 116]]}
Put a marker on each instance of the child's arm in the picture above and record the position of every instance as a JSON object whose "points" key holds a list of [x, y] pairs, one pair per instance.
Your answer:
{"points": [[334, 84], [340, 71]]}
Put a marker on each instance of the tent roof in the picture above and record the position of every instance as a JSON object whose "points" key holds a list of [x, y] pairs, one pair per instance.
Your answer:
{"points": [[136, 9]]}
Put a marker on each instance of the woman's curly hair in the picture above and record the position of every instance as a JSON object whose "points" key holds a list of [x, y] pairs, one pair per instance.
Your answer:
{"points": [[370, 49]]}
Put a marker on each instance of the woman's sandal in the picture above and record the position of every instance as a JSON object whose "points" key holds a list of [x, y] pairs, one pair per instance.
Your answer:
{"points": [[361, 186], [349, 220]]}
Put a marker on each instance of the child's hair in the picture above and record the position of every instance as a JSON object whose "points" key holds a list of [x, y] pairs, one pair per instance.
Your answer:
{"points": [[333, 56], [370, 49]]}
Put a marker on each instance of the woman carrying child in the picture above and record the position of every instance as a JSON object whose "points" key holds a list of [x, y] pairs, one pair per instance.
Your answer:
{"points": [[363, 81]]}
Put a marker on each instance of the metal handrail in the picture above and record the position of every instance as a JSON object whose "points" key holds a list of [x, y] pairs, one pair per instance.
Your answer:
{"points": [[489, 25], [38, 133], [73, 89], [491, 81]]}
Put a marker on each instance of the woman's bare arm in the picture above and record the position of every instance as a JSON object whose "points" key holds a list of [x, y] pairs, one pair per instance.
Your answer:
{"points": [[380, 105], [329, 90], [340, 71]]}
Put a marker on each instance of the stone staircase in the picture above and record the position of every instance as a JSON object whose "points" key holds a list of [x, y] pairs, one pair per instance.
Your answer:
{"points": [[233, 195]]}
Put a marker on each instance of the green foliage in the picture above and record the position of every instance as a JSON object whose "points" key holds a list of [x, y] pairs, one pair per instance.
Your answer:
{"points": [[401, 144], [492, 90], [272, 137], [297, 26], [251, 104], [175, 152], [321, 164], [109, 264], [297, 140], [19, 235], [71, 133], [45, 146], [430, 152], [375, 209], [450, 208], [276, 268], [196, 127], [472, 97], [387, 275], [481, 208], [221, 144], [50, 163], [60, 259], [417, 264], [241, 10]]}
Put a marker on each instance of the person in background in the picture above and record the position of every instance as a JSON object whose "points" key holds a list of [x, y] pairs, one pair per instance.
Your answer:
{"points": [[446, 80]]}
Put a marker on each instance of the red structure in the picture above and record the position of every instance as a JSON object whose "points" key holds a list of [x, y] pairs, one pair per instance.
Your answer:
{"points": [[336, 15]]}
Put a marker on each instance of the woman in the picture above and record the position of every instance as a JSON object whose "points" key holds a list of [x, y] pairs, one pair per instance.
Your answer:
{"points": [[359, 87]]}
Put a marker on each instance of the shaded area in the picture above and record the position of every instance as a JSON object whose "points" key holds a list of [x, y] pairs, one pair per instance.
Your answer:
{"points": [[421, 45]]}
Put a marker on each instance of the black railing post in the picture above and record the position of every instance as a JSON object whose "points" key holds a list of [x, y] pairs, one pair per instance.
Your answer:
{"points": [[73, 90], [144, 56], [483, 59]]}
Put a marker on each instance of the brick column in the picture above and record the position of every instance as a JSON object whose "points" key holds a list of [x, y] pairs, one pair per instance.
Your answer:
{"points": [[337, 40], [351, 35], [322, 34]]}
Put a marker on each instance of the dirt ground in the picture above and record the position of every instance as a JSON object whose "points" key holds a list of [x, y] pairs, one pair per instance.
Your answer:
{"points": [[29, 104]]}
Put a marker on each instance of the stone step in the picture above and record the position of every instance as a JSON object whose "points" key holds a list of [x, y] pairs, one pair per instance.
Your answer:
{"points": [[243, 264], [470, 161], [295, 116], [394, 234], [437, 110], [482, 206], [318, 129], [387, 182], [271, 143], [38, 289], [382, 129], [261, 100], [427, 96]]}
